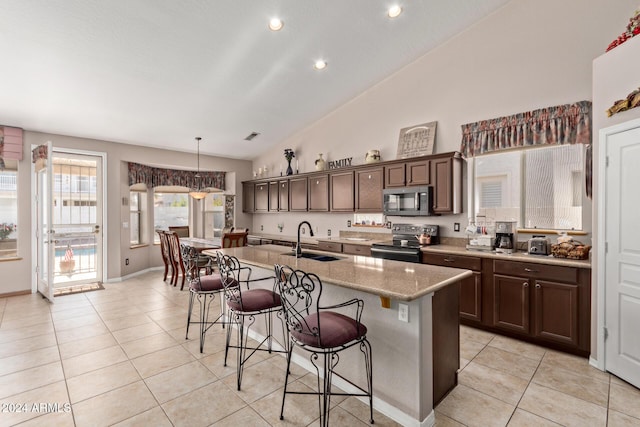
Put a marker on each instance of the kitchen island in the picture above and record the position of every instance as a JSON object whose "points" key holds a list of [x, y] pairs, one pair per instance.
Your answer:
{"points": [[415, 362]]}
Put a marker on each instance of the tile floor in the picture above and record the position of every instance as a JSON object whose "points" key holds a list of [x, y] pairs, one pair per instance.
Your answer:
{"points": [[118, 357]]}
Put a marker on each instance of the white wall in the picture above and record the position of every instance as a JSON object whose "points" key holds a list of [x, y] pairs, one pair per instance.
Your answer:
{"points": [[117, 187], [529, 54]]}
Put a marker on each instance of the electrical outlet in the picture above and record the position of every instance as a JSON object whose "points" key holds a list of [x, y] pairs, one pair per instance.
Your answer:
{"points": [[403, 312], [456, 226], [348, 223], [262, 228], [126, 261], [329, 232]]}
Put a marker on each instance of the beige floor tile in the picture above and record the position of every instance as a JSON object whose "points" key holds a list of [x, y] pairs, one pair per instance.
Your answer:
{"points": [[114, 406], [153, 417], [73, 312], [117, 310], [562, 408], [463, 362], [29, 379], [299, 410], [175, 382], [508, 362], [258, 381], [575, 364], [86, 345], [82, 332], [625, 398], [521, 348], [618, 419], [136, 332], [244, 417], [470, 349], [27, 344], [127, 322], [493, 382], [88, 362], [340, 417], [9, 335], [174, 322], [472, 334], [204, 406], [473, 408], [148, 345], [522, 418], [444, 421], [76, 322], [576, 385], [170, 312], [215, 363], [25, 321], [360, 410], [102, 380], [51, 419], [162, 360], [29, 360], [55, 393]]}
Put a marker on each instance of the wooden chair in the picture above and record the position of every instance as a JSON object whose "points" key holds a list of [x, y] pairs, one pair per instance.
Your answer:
{"points": [[180, 230], [176, 258], [234, 239], [165, 252]]}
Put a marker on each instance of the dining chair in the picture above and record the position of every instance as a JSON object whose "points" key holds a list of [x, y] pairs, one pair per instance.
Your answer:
{"points": [[165, 252], [322, 330], [176, 258], [243, 305], [234, 239], [181, 230]]}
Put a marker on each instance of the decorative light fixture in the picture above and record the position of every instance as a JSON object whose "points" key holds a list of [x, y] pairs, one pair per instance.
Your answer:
{"points": [[198, 193], [276, 24], [394, 11], [320, 64]]}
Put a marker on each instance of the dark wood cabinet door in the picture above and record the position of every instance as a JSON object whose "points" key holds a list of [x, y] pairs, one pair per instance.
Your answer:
{"points": [[471, 297], [262, 197], [319, 193], [418, 173], [394, 175], [442, 180], [298, 194], [341, 192], [369, 184], [248, 201], [556, 312], [273, 196], [511, 303], [283, 196]]}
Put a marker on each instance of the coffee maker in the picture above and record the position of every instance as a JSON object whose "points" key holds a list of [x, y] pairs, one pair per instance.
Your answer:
{"points": [[506, 237]]}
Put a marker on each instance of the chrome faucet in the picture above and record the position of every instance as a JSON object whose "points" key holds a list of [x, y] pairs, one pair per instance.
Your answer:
{"points": [[298, 248]]}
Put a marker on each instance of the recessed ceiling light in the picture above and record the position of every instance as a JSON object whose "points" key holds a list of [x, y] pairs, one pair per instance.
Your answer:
{"points": [[320, 65], [394, 11], [276, 24]]}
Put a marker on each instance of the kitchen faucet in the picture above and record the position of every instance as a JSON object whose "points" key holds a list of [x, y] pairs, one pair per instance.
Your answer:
{"points": [[298, 248]]}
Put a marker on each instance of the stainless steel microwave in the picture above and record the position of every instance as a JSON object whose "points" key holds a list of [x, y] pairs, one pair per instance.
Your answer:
{"points": [[408, 201]]}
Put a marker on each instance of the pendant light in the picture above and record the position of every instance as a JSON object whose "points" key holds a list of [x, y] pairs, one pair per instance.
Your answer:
{"points": [[198, 193]]}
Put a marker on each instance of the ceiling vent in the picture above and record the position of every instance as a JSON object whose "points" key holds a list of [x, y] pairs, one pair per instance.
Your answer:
{"points": [[251, 136]]}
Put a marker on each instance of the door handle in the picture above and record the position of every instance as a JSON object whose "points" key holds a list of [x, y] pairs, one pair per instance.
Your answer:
{"points": [[525, 285]]}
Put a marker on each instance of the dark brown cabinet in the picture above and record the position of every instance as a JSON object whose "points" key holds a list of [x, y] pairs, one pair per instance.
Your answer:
{"points": [[319, 193], [298, 194], [556, 312], [273, 196], [443, 182], [511, 303], [394, 175], [341, 192], [248, 197], [363, 250], [418, 173], [369, 185], [283, 196], [261, 197]]}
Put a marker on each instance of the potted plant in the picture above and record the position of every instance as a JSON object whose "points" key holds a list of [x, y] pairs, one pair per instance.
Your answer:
{"points": [[6, 229]]}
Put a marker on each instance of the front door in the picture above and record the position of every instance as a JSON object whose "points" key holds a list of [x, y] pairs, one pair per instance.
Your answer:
{"points": [[45, 241], [622, 258]]}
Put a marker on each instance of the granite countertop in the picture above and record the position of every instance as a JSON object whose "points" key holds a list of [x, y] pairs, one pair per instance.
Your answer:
{"points": [[391, 279], [285, 238], [518, 256], [364, 241]]}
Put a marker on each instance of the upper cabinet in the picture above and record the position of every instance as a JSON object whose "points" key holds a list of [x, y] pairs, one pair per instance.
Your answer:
{"points": [[408, 173], [341, 191], [298, 194], [446, 178], [273, 196], [261, 197], [283, 195], [369, 185], [394, 175], [319, 193], [248, 197]]}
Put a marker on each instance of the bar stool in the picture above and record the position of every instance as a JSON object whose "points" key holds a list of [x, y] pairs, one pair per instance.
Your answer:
{"points": [[243, 307], [323, 331]]}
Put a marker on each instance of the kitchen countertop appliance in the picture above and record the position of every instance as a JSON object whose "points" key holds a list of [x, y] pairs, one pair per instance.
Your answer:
{"points": [[506, 237], [539, 245], [405, 245]]}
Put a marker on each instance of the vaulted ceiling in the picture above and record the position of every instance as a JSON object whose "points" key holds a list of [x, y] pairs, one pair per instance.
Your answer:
{"points": [[158, 73]]}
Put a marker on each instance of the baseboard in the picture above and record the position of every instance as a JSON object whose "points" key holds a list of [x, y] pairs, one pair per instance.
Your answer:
{"points": [[594, 362], [15, 294]]}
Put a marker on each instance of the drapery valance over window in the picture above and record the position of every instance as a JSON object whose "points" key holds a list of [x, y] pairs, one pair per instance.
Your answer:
{"points": [[10, 144], [154, 177], [563, 124]]}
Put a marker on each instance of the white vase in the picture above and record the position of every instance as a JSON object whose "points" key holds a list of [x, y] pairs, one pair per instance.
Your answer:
{"points": [[319, 163]]}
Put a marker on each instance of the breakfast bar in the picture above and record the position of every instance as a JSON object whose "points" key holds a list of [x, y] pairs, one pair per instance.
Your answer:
{"points": [[415, 360]]}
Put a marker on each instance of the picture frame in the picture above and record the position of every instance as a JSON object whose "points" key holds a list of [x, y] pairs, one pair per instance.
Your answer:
{"points": [[418, 140]]}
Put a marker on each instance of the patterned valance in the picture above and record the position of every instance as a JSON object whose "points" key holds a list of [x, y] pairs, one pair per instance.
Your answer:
{"points": [[10, 144], [563, 124], [154, 177]]}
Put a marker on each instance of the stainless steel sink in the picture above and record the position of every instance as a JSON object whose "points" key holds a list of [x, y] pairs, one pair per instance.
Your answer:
{"points": [[315, 257], [357, 239]]}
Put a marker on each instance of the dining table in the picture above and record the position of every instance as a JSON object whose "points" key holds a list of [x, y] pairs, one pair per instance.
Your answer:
{"points": [[200, 244]]}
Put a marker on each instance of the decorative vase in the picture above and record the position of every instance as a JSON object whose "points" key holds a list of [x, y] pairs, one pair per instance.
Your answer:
{"points": [[289, 170], [319, 163]]}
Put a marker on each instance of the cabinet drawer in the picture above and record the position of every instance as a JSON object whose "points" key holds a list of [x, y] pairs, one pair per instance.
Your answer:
{"points": [[329, 246], [356, 250], [456, 261], [536, 271]]}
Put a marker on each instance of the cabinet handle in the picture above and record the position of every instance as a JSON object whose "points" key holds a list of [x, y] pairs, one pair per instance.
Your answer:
{"points": [[525, 285], [538, 286], [529, 270], [282, 185], [449, 260], [369, 176], [317, 182]]}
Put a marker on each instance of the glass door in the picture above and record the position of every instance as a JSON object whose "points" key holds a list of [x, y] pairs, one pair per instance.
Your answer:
{"points": [[45, 242]]}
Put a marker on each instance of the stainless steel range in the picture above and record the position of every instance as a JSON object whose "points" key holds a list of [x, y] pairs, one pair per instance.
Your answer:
{"points": [[406, 242]]}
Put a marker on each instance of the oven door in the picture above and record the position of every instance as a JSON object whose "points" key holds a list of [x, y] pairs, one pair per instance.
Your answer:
{"points": [[397, 253]]}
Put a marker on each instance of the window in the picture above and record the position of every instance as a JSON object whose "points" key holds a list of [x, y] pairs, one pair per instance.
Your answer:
{"points": [[213, 215], [137, 204], [169, 209], [540, 188], [9, 209]]}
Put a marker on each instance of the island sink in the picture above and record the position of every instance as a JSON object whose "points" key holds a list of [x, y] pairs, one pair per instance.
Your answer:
{"points": [[315, 257]]}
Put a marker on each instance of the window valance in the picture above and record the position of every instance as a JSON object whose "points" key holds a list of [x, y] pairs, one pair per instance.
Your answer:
{"points": [[563, 124], [10, 144], [154, 177]]}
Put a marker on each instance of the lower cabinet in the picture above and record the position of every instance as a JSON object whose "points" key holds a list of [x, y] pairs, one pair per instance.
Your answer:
{"points": [[345, 248]]}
